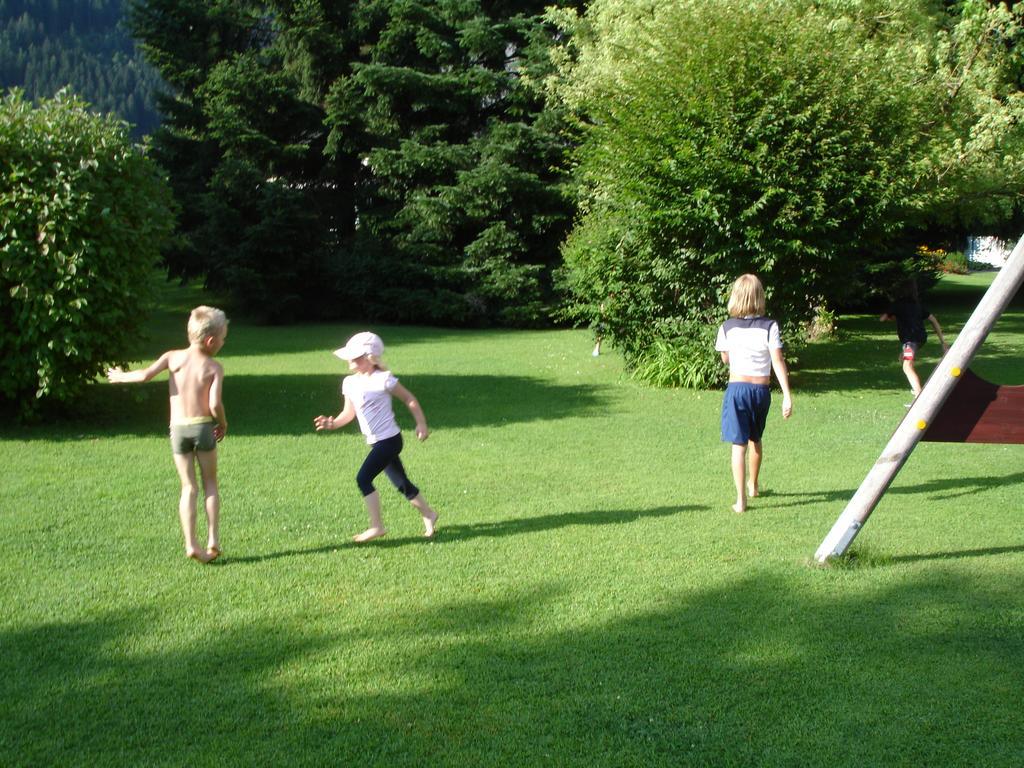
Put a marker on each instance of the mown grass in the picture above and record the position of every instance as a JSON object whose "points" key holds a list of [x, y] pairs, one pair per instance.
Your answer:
{"points": [[590, 599]]}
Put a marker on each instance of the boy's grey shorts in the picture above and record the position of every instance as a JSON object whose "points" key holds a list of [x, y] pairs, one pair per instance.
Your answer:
{"points": [[186, 438]]}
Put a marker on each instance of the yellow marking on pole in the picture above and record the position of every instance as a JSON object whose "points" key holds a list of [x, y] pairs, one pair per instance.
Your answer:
{"points": [[922, 424], [955, 372]]}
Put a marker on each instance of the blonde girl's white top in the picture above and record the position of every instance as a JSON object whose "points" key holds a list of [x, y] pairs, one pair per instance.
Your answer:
{"points": [[370, 394], [749, 341]]}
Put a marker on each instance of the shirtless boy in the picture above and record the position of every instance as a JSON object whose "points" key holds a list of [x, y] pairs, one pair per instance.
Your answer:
{"points": [[198, 422]]}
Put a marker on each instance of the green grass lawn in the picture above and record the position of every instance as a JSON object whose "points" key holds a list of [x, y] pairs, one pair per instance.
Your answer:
{"points": [[590, 598]]}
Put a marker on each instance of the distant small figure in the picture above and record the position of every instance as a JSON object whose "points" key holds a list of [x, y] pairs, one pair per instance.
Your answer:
{"points": [[599, 332], [198, 422], [910, 314], [751, 346], [367, 393]]}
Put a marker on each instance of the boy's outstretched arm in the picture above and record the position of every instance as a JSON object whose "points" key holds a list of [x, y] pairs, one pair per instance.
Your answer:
{"points": [[782, 374], [411, 403], [117, 376], [348, 412], [938, 332]]}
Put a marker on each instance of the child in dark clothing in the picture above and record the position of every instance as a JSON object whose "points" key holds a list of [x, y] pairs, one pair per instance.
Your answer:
{"points": [[910, 314]]}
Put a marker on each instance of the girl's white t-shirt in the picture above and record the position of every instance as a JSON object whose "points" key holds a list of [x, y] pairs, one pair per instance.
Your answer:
{"points": [[749, 341], [370, 394]]}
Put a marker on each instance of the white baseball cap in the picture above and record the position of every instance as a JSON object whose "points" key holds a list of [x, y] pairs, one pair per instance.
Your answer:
{"points": [[363, 343]]}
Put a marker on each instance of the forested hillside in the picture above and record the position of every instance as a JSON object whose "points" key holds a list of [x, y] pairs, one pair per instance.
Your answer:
{"points": [[47, 44]]}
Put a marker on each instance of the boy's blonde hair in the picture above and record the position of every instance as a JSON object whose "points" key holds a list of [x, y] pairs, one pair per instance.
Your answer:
{"points": [[205, 321], [747, 297]]}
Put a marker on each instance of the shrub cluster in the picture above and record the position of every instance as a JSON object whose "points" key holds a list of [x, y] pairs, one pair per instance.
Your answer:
{"points": [[83, 215], [806, 142]]}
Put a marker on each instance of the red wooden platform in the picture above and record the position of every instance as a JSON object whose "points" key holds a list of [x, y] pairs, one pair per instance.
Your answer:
{"points": [[978, 411]]}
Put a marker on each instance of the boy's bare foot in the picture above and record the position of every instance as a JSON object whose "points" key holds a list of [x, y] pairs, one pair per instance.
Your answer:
{"points": [[429, 523], [738, 508], [199, 556], [369, 535], [213, 552]]}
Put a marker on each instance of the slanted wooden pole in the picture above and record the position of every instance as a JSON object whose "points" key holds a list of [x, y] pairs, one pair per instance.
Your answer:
{"points": [[925, 407]]}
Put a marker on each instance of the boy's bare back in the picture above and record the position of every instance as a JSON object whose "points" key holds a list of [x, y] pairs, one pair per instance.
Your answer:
{"points": [[193, 376], [195, 385]]}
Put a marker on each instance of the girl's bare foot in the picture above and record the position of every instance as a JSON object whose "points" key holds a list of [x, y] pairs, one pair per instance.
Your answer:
{"points": [[429, 521], [198, 555], [213, 552], [752, 490], [738, 508], [369, 535]]}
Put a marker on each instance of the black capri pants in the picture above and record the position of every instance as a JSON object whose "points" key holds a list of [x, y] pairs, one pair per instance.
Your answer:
{"points": [[383, 457]]}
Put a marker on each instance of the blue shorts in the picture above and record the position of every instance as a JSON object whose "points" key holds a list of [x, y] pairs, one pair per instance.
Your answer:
{"points": [[745, 412]]}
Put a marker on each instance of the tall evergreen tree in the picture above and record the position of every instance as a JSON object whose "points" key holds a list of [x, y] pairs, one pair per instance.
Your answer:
{"points": [[46, 45], [83, 215], [393, 157], [465, 191]]}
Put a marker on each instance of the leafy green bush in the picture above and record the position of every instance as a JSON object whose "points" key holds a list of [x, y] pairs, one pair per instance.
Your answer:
{"points": [[681, 360], [801, 141], [947, 262], [83, 215], [824, 324]]}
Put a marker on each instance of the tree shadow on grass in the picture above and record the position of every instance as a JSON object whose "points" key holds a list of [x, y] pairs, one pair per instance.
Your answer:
{"points": [[259, 340], [768, 498], [942, 490], [763, 670], [957, 555], [510, 527], [870, 365], [860, 357], [456, 532], [953, 295], [166, 329], [286, 405], [955, 487], [866, 357]]}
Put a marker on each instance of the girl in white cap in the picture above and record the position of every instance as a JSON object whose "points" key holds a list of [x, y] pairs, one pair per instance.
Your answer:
{"points": [[368, 392]]}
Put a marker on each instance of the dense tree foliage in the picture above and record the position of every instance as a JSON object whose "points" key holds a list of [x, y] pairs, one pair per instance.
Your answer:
{"points": [[814, 143], [46, 45], [83, 215], [382, 159]]}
